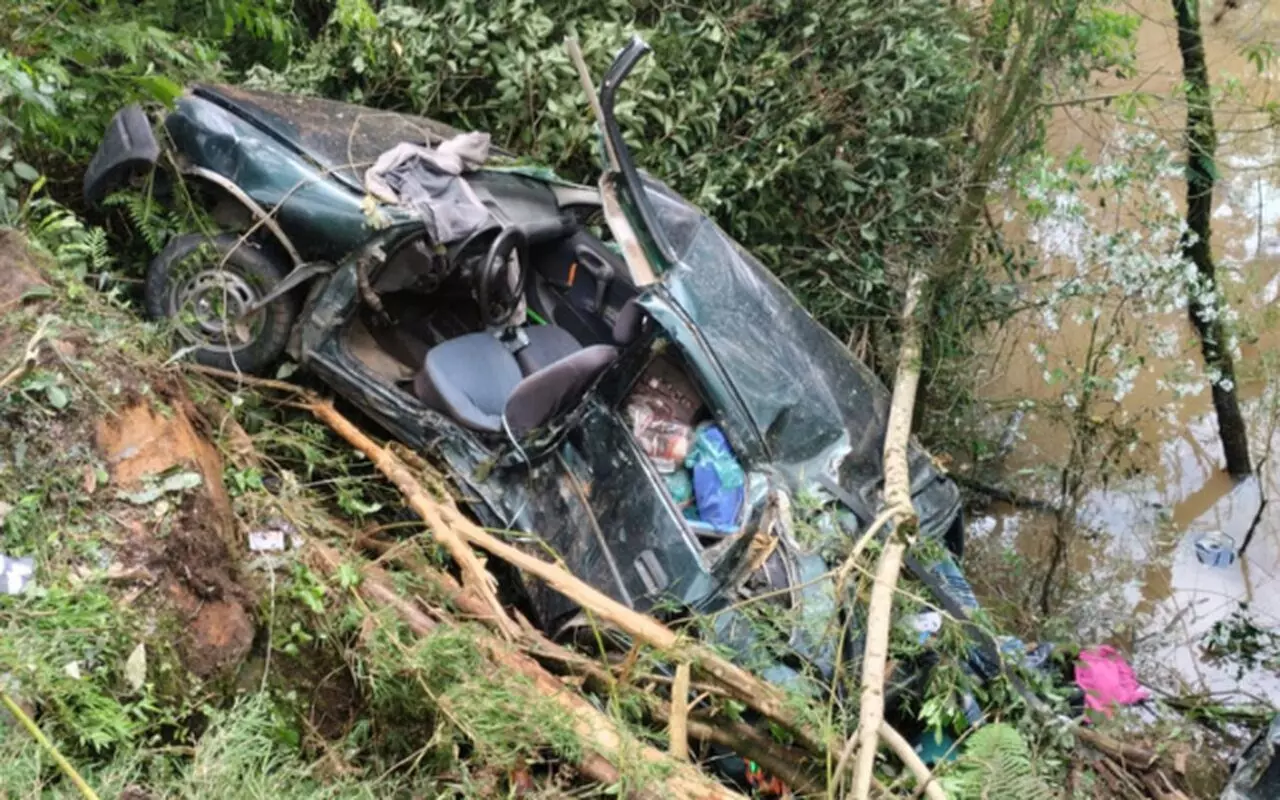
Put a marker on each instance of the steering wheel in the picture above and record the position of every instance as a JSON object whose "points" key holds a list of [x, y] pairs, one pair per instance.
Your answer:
{"points": [[498, 291]]}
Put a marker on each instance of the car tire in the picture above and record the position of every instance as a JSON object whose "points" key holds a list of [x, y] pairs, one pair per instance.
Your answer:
{"points": [[194, 273]]}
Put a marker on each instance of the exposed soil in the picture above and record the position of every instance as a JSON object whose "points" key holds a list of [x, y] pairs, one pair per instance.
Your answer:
{"points": [[19, 275], [194, 562]]}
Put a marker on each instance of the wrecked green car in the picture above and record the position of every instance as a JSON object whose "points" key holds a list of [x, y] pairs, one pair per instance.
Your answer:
{"points": [[642, 396]]}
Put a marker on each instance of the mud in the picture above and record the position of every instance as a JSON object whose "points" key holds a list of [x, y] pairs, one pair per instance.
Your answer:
{"points": [[19, 275], [137, 441]]}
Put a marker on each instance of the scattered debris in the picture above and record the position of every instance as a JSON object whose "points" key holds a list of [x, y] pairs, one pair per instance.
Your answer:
{"points": [[266, 541], [1107, 680], [925, 624], [16, 574], [278, 536], [1216, 549]]}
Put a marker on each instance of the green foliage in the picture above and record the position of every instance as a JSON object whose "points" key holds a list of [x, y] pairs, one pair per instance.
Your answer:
{"points": [[822, 153], [67, 67], [79, 249], [997, 765], [242, 755], [153, 222], [1240, 640], [446, 677]]}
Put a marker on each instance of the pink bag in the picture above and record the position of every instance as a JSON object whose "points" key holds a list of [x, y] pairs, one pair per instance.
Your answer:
{"points": [[1107, 679]]}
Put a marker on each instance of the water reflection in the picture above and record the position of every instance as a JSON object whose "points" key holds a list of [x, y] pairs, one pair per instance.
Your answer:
{"points": [[1145, 578]]}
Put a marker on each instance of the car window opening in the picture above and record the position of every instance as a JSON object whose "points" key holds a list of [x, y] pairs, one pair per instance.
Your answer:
{"points": [[676, 429]]}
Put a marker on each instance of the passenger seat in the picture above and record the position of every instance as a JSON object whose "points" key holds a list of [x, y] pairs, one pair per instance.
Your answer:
{"points": [[550, 343], [547, 345]]}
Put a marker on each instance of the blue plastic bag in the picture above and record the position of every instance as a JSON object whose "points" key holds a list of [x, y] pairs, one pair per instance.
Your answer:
{"points": [[718, 479]]}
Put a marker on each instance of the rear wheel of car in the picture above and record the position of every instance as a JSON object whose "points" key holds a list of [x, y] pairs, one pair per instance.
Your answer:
{"points": [[202, 286]]}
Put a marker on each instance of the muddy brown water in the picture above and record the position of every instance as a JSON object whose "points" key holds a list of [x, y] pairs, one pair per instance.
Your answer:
{"points": [[1141, 574]]}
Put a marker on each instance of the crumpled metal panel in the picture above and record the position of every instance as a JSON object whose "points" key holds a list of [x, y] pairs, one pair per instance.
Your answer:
{"points": [[322, 216], [339, 137], [1257, 775], [811, 408]]}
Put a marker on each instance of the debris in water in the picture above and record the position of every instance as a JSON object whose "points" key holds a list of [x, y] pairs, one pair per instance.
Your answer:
{"points": [[1216, 549], [15, 573], [1107, 679], [1010, 436]]}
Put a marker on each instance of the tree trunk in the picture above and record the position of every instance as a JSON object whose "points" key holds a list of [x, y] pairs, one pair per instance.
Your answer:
{"points": [[1205, 305]]}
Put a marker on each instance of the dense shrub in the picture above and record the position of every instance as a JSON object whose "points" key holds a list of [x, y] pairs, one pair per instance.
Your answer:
{"points": [[826, 135]]}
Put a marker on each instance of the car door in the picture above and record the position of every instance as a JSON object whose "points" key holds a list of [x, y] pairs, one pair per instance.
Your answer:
{"points": [[599, 505]]}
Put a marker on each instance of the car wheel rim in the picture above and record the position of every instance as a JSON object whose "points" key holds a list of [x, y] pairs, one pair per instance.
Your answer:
{"points": [[208, 308]]}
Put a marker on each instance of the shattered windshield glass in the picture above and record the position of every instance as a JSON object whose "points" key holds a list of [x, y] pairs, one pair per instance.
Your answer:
{"points": [[803, 390]]}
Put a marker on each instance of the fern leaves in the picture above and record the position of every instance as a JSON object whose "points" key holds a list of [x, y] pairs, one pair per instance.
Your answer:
{"points": [[150, 219], [997, 765]]}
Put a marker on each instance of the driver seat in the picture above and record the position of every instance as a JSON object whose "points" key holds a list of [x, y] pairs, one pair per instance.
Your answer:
{"points": [[477, 381]]}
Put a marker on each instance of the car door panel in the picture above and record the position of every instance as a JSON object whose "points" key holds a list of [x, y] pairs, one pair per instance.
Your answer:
{"points": [[601, 507]]}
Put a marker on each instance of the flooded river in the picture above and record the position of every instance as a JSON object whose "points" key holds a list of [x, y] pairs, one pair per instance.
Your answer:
{"points": [[1143, 586]]}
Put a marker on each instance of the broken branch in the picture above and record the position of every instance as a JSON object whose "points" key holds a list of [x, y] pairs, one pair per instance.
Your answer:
{"points": [[792, 766], [897, 492], [592, 726], [474, 575], [907, 755], [679, 727]]}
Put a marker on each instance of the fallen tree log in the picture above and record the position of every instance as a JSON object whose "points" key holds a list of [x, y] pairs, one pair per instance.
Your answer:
{"points": [[597, 732], [793, 766], [450, 527]]}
